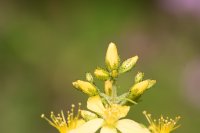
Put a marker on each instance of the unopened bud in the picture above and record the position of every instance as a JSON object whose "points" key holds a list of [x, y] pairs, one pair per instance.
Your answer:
{"points": [[89, 77], [128, 64], [139, 88], [114, 73], [86, 87], [108, 87], [139, 77], [87, 115], [112, 58], [151, 83], [101, 74]]}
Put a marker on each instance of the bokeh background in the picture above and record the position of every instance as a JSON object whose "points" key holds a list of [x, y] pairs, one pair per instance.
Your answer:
{"points": [[47, 44]]}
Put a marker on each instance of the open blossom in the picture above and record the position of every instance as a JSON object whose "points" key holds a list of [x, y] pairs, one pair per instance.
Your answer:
{"points": [[161, 125], [65, 125], [110, 119]]}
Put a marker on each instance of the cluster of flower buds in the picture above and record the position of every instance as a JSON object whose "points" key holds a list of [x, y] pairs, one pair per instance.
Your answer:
{"points": [[109, 76], [113, 67]]}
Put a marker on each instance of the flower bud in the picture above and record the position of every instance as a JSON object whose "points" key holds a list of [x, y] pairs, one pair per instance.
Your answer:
{"points": [[139, 88], [151, 83], [89, 77], [87, 115], [112, 58], [85, 87], [101, 74], [114, 73], [108, 87], [139, 77], [128, 64]]}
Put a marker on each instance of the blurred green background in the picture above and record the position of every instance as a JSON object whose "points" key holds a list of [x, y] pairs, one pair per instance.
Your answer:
{"points": [[47, 44]]}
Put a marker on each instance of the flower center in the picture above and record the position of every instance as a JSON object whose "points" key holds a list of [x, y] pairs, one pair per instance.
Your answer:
{"points": [[112, 114]]}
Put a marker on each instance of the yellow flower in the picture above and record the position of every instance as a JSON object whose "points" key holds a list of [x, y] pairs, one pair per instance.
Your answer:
{"points": [[65, 125], [110, 119], [161, 125]]}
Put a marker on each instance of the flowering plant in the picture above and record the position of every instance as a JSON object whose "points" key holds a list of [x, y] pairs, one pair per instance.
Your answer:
{"points": [[107, 110]]}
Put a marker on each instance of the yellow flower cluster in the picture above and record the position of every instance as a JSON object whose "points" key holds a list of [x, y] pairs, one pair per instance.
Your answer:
{"points": [[107, 110]]}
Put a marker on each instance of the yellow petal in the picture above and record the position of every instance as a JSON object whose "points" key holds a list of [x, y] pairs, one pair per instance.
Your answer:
{"points": [[80, 122], [94, 104], [107, 129], [89, 127], [130, 126], [123, 111], [87, 115]]}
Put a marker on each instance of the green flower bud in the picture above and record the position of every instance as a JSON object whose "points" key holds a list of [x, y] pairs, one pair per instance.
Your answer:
{"points": [[128, 64], [87, 115], [101, 74], [139, 77], [112, 58], [85, 87], [89, 77]]}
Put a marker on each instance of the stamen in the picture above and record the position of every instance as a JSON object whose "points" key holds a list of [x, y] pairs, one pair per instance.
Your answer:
{"points": [[54, 119], [79, 110], [60, 122], [72, 111], [63, 117], [164, 125], [50, 122]]}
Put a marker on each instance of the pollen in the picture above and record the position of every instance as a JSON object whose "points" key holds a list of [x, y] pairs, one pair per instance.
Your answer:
{"points": [[162, 125], [62, 124]]}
